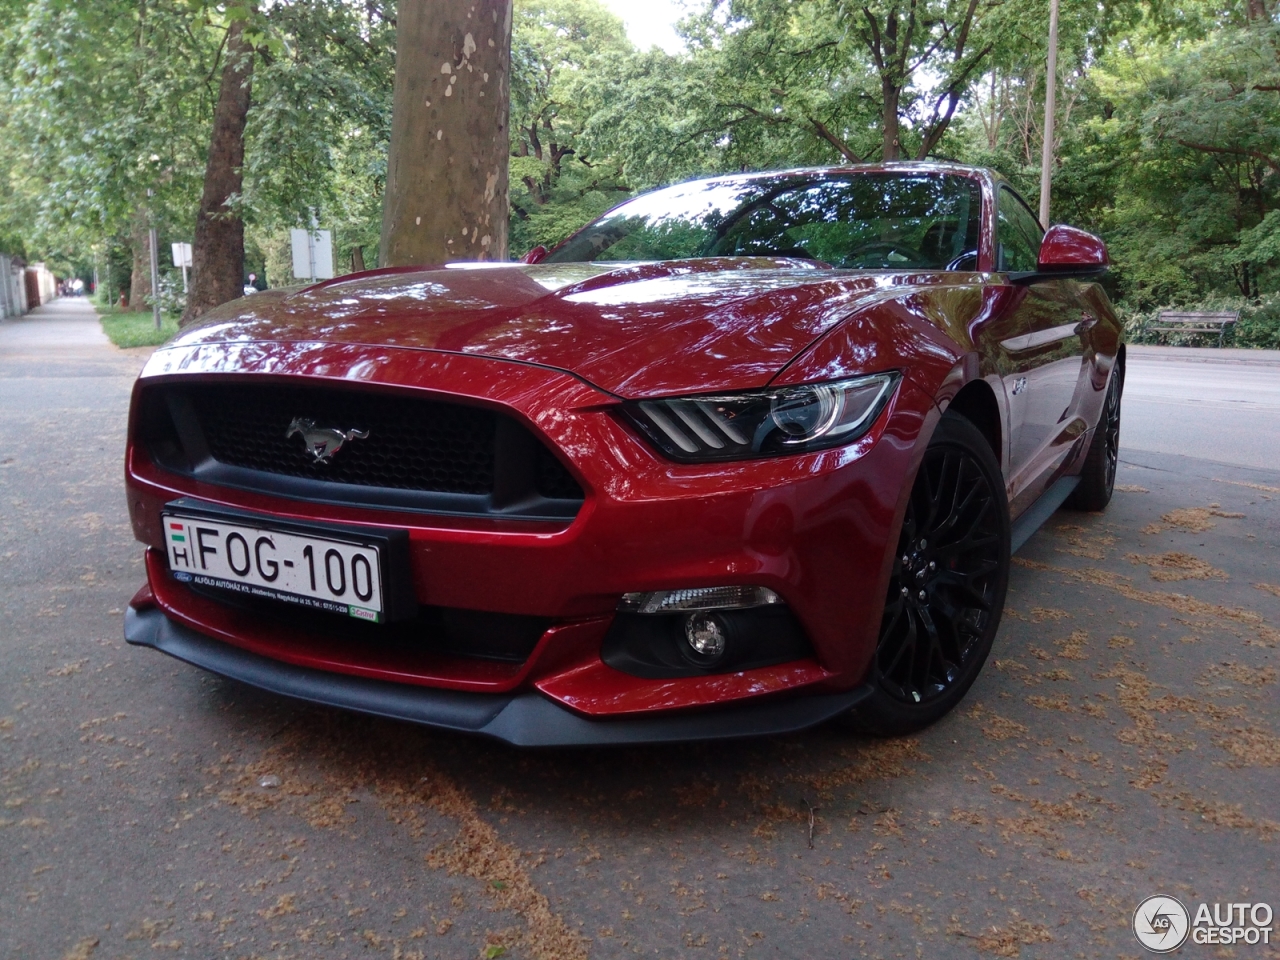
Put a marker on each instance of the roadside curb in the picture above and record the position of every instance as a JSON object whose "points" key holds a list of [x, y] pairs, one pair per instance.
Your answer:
{"points": [[1233, 355]]}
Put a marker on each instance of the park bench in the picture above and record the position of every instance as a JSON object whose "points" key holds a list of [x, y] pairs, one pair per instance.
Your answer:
{"points": [[1193, 321]]}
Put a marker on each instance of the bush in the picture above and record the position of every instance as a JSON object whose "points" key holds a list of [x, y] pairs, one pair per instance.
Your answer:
{"points": [[1258, 326], [172, 298]]}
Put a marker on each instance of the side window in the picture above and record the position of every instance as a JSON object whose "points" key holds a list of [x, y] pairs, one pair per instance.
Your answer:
{"points": [[1018, 234]]}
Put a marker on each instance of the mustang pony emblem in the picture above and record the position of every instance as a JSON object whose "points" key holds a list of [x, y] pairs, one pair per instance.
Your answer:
{"points": [[323, 443]]}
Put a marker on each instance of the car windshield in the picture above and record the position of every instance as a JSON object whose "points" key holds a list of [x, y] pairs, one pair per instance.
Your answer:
{"points": [[869, 221]]}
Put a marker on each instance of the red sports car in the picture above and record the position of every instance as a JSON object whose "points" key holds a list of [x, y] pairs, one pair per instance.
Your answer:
{"points": [[743, 455]]}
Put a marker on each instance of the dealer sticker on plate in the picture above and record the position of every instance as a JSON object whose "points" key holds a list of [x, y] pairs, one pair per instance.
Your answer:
{"points": [[308, 571]]}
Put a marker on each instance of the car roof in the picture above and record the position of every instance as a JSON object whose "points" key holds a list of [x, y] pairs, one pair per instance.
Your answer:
{"points": [[894, 166]]}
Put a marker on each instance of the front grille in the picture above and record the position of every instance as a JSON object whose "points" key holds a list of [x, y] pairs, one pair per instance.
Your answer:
{"points": [[413, 444], [418, 453]]}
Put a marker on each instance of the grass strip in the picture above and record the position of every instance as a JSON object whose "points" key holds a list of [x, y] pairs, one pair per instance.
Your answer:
{"points": [[127, 328]]}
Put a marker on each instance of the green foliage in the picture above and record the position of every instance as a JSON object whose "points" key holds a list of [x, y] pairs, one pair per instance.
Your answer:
{"points": [[1259, 324], [831, 80], [650, 115], [558, 181], [93, 119], [317, 135], [108, 100], [1168, 142], [1195, 133]]}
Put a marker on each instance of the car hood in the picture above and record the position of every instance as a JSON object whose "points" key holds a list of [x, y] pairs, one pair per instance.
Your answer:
{"points": [[634, 330]]}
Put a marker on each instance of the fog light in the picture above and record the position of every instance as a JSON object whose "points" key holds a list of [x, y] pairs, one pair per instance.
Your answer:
{"points": [[705, 637]]}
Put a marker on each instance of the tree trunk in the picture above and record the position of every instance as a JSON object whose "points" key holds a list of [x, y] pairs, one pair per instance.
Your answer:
{"points": [[446, 193], [217, 253], [892, 148], [140, 276], [891, 61]]}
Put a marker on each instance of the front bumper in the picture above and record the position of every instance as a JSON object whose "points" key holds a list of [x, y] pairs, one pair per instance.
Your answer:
{"points": [[526, 719], [817, 529]]}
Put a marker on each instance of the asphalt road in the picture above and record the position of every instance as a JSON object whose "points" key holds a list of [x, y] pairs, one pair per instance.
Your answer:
{"points": [[1123, 742], [1220, 405]]}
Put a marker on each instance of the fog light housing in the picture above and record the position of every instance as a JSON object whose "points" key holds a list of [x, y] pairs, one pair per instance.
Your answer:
{"points": [[706, 639], [692, 643]]}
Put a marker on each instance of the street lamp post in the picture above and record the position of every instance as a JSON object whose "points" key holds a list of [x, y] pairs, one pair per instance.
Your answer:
{"points": [[155, 269], [1050, 97]]}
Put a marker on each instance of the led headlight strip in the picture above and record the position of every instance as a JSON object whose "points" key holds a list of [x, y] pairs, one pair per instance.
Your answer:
{"points": [[764, 423], [697, 598]]}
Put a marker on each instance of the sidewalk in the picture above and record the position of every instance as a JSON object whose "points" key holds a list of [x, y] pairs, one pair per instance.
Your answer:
{"points": [[65, 334], [68, 323]]}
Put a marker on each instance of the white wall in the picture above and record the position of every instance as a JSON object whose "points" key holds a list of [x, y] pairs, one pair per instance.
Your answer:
{"points": [[13, 292], [45, 279]]}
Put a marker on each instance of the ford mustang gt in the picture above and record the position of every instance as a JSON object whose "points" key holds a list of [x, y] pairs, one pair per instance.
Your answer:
{"points": [[742, 456]]}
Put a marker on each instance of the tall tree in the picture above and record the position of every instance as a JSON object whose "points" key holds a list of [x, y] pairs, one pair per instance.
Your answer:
{"points": [[901, 38], [103, 102], [217, 253], [140, 274], [880, 80], [447, 167], [316, 139], [558, 181], [554, 41]]}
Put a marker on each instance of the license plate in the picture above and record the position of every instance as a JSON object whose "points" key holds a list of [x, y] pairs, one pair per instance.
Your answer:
{"points": [[316, 572]]}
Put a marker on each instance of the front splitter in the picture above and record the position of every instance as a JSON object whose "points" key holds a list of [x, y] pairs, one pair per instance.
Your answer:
{"points": [[526, 719]]}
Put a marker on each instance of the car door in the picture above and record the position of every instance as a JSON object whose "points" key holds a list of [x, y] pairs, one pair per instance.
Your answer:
{"points": [[1044, 355]]}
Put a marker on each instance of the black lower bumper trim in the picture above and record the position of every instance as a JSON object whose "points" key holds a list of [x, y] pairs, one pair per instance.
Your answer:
{"points": [[524, 719]]}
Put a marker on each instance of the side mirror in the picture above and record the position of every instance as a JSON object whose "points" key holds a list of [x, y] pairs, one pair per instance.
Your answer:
{"points": [[535, 255], [1068, 250], [1067, 253]]}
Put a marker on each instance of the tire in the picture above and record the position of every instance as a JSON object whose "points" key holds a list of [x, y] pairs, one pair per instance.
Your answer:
{"points": [[1098, 476], [953, 551]]}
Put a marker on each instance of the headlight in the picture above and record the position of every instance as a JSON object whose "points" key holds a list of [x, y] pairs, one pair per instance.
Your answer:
{"points": [[765, 423]]}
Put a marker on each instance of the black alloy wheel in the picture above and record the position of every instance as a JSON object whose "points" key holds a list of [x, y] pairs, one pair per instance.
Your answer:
{"points": [[947, 590], [1098, 475]]}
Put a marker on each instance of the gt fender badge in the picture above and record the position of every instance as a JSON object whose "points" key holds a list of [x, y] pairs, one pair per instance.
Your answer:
{"points": [[323, 443]]}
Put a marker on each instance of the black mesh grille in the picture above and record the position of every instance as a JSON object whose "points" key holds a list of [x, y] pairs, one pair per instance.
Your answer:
{"points": [[417, 453], [554, 481], [412, 444]]}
